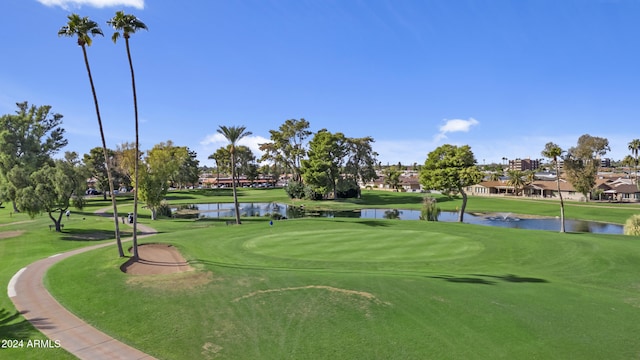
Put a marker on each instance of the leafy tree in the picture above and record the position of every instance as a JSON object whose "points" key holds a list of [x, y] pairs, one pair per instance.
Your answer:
{"points": [[234, 134], [161, 164], [28, 139], [222, 157], [53, 188], [287, 146], [94, 161], [553, 152], [129, 24], [245, 161], [634, 146], [582, 162], [451, 168], [84, 29], [152, 189], [581, 174], [392, 177], [361, 160], [188, 172], [321, 170]]}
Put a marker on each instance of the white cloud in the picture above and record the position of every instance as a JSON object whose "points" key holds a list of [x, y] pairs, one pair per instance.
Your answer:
{"points": [[66, 4], [455, 125]]}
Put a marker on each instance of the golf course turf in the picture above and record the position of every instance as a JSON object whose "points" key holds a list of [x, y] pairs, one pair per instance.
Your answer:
{"points": [[355, 288]]}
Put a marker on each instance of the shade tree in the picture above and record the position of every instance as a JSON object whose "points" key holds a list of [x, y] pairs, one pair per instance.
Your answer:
{"points": [[94, 161], [582, 161], [53, 188], [288, 146], [450, 169], [321, 170], [28, 140]]}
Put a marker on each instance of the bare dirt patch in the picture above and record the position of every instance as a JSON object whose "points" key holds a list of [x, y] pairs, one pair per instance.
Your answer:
{"points": [[10, 234], [189, 280], [156, 259], [361, 294]]}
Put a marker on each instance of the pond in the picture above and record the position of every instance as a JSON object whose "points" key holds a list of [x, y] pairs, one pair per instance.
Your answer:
{"points": [[508, 220]]}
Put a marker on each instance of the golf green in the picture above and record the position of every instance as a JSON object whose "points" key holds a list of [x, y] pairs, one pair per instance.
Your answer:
{"points": [[364, 245]]}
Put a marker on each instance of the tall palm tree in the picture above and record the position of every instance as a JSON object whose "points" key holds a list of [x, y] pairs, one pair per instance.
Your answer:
{"points": [[553, 151], [233, 134], [129, 24], [634, 146], [84, 29]]}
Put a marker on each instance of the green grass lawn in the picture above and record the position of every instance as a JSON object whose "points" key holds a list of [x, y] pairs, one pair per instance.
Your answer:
{"points": [[23, 241], [346, 288], [362, 289]]}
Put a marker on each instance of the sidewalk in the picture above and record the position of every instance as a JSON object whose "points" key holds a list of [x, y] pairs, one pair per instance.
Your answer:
{"points": [[34, 302]]}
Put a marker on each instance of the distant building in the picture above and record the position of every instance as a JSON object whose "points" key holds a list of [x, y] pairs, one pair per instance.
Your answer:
{"points": [[524, 164], [606, 163]]}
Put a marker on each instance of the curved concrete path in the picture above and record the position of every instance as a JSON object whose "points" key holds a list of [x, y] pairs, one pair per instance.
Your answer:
{"points": [[34, 302]]}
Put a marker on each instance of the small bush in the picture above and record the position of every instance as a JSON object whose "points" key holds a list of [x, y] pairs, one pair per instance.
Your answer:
{"points": [[164, 210], [295, 190], [632, 226], [430, 210]]}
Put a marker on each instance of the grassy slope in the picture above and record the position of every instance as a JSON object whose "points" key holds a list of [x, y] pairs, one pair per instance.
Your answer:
{"points": [[36, 242], [389, 289]]}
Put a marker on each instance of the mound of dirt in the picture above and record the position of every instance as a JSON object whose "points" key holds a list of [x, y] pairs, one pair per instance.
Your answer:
{"points": [[156, 259]]}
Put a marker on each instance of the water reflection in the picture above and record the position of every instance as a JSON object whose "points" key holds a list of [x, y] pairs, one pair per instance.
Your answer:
{"points": [[278, 211]]}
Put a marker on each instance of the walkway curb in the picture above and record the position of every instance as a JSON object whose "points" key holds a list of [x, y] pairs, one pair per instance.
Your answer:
{"points": [[35, 303]]}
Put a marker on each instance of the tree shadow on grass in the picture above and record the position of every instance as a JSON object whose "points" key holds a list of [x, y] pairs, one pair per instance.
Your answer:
{"points": [[217, 192], [478, 279], [179, 197], [514, 278], [373, 223], [21, 330], [91, 235], [464, 280]]}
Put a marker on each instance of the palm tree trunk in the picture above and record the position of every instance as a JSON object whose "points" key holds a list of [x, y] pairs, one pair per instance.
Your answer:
{"points": [[635, 168], [233, 185], [106, 157], [560, 195], [137, 146]]}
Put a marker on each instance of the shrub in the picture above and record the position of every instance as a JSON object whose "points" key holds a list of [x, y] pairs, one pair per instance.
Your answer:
{"points": [[430, 209], [311, 194], [295, 190], [164, 209], [632, 226]]}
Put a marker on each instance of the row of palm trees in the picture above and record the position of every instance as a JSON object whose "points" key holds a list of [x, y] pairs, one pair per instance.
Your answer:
{"points": [[84, 30]]}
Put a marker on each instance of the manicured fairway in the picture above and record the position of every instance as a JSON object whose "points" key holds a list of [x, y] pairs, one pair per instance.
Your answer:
{"points": [[358, 289]]}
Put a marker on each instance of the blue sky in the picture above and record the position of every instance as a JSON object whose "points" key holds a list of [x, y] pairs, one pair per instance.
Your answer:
{"points": [[503, 76]]}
